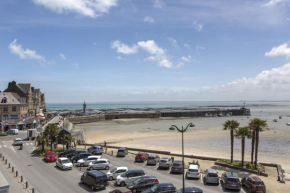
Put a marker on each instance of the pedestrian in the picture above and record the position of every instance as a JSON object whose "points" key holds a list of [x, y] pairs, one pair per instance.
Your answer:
{"points": [[83, 142], [105, 144]]}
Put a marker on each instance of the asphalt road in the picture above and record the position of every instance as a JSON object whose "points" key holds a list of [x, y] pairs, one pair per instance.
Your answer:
{"points": [[47, 178]]}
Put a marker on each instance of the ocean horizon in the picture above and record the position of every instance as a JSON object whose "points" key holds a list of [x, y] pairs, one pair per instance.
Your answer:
{"points": [[158, 104]]}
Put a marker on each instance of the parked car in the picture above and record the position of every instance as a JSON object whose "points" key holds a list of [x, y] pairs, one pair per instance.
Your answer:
{"points": [[99, 164], [119, 191], [13, 132], [153, 159], [78, 151], [231, 180], [95, 179], [17, 142], [80, 156], [177, 167], [193, 171], [96, 149], [141, 157], [115, 172], [211, 176], [165, 162], [142, 183], [161, 188], [67, 153], [50, 156], [129, 176], [122, 152], [190, 190], [64, 163], [87, 161], [254, 184]]}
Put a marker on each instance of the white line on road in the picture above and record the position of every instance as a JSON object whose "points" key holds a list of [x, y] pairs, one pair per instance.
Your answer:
{"points": [[0, 146], [144, 164], [13, 149], [243, 190], [4, 146], [31, 143]]}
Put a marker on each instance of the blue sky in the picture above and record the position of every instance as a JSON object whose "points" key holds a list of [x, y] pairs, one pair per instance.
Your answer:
{"points": [[151, 50]]}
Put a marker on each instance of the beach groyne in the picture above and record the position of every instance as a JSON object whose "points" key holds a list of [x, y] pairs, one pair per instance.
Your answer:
{"points": [[86, 119], [136, 115]]}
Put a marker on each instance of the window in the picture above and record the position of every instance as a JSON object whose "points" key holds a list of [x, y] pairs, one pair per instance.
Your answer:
{"points": [[4, 100], [13, 116], [14, 108], [5, 117], [5, 109]]}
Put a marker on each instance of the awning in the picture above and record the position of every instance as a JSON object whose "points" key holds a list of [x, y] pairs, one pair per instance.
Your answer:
{"points": [[20, 123], [40, 114]]}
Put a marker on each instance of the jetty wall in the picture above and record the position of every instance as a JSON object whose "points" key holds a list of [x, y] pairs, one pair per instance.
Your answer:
{"points": [[86, 119], [132, 115]]}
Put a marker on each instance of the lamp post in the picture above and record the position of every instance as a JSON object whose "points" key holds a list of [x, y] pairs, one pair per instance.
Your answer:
{"points": [[182, 130]]}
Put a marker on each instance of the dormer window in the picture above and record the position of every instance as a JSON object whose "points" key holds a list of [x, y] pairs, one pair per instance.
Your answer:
{"points": [[4, 100]]}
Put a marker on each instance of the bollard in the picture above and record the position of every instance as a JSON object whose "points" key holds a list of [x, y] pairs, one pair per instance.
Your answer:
{"points": [[26, 185], [9, 165], [0, 155], [112, 153], [16, 174], [3, 158], [6, 161], [32, 191], [12, 169], [21, 179]]}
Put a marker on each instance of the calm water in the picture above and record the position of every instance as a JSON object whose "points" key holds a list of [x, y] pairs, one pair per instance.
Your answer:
{"points": [[115, 105]]}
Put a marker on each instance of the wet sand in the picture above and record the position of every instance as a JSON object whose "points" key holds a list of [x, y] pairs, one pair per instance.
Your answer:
{"points": [[207, 137]]}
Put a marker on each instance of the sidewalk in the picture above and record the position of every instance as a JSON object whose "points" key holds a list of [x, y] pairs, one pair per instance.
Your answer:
{"points": [[15, 186]]}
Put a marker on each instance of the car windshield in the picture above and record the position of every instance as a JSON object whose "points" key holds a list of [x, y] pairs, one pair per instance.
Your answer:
{"points": [[120, 150], [124, 174], [137, 180], [151, 158], [259, 183], [113, 170], [154, 188], [233, 180], [163, 161], [50, 154], [65, 161], [212, 175], [177, 164]]}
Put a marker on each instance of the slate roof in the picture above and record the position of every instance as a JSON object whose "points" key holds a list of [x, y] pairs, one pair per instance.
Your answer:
{"points": [[11, 99], [25, 87]]}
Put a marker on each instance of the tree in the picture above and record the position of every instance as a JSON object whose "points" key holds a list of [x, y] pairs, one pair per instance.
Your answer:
{"points": [[253, 143], [231, 125], [43, 141], [67, 139], [258, 125], [51, 132], [242, 133]]}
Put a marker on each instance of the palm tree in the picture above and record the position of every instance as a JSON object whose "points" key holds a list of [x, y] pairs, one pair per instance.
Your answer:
{"points": [[258, 125], [42, 140], [242, 133], [67, 139], [253, 143], [51, 132], [231, 125]]}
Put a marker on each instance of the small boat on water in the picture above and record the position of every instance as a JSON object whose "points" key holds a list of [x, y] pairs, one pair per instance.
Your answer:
{"points": [[275, 120], [288, 124]]}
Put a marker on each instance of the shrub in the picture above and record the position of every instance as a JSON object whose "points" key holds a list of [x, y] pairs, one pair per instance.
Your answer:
{"points": [[239, 164], [39, 151]]}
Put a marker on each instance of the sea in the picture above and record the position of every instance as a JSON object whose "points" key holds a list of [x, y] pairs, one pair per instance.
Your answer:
{"points": [[159, 104]]}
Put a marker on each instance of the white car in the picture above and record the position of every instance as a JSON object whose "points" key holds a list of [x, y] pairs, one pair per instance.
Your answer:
{"points": [[64, 163], [99, 164], [17, 142], [114, 173], [193, 171], [87, 161]]}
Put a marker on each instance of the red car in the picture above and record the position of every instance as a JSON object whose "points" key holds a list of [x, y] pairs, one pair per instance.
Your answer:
{"points": [[50, 156], [141, 157]]}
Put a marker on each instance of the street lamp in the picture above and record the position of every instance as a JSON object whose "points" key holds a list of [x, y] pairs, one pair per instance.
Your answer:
{"points": [[182, 130]]}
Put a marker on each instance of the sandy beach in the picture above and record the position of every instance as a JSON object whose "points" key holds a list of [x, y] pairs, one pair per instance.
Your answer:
{"points": [[206, 138]]}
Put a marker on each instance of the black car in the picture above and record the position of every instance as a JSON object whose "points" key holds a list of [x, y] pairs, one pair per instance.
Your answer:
{"points": [[68, 153], [190, 190], [95, 179], [80, 156], [116, 191], [142, 183], [161, 188]]}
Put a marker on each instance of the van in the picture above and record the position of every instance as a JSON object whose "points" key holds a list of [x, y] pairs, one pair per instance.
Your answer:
{"points": [[129, 176], [231, 180], [13, 132], [122, 152], [95, 179]]}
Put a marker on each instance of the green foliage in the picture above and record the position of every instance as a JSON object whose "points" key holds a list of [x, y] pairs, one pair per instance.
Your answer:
{"points": [[231, 125], [243, 132], [40, 152], [3, 134], [50, 133], [239, 164], [258, 124]]}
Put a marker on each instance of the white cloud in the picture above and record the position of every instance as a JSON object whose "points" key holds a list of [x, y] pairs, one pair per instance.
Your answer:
{"points": [[179, 65], [198, 26], [123, 48], [120, 58], [89, 8], [62, 56], [273, 3], [282, 50], [186, 59], [199, 48], [149, 19], [186, 45], [25, 53], [173, 42], [76, 65], [158, 3]]}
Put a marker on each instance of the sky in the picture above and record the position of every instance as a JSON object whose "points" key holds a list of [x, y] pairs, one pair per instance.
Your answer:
{"points": [[147, 50]]}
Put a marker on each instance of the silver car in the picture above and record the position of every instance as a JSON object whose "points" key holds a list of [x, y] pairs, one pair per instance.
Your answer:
{"points": [[87, 161], [17, 142], [165, 162], [96, 149], [114, 173], [153, 159], [211, 176], [99, 164]]}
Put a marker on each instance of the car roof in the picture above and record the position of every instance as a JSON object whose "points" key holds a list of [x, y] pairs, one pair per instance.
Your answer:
{"points": [[49, 152], [192, 189], [255, 178], [96, 173], [152, 155], [193, 167], [141, 152], [17, 139], [132, 171], [102, 159], [148, 177], [165, 158], [211, 171], [95, 156], [166, 184], [177, 162], [96, 146], [232, 174], [122, 148], [85, 153], [122, 168], [62, 158]]}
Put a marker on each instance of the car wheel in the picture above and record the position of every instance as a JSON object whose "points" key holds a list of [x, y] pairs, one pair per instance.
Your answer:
{"points": [[93, 187], [107, 167], [111, 178], [74, 161], [82, 165], [123, 184], [82, 181], [134, 190]]}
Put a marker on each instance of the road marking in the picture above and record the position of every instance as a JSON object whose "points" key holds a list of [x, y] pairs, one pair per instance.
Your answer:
{"points": [[243, 190], [4, 146], [31, 143], [144, 164], [0, 146], [13, 149], [201, 178], [156, 167]]}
